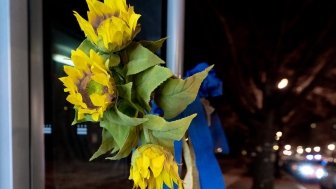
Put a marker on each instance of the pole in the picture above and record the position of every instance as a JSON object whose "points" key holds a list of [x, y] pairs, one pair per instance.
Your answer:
{"points": [[175, 34]]}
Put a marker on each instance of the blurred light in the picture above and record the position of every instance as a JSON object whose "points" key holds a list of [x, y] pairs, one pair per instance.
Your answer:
{"points": [[317, 149], [219, 150], [243, 152], [275, 147], [283, 83], [320, 173], [287, 152], [47, 129], [334, 160], [288, 147], [306, 170], [313, 125], [62, 59], [334, 126], [308, 150], [331, 147], [278, 134], [81, 130], [299, 150], [318, 156], [311, 171], [253, 154], [309, 157]]}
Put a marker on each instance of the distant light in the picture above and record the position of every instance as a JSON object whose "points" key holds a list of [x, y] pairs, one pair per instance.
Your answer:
{"points": [[318, 156], [47, 129], [275, 147], [308, 150], [317, 149], [287, 152], [278, 134], [306, 169], [299, 150], [320, 172], [309, 157], [62, 59], [219, 150], [244, 152], [288, 147], [331, 147], [283, 83], [313, 125], [81, 130]]}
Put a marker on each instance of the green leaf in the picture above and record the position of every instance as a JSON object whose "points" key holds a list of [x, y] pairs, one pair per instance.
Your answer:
{"points": [[121, 127], [87, 118], [158, 131], [130, 143], [176, 94], [153, 45], [146, 82], [140, 59], [125, 92], [86, 46], [107, 145], [112, 60]]}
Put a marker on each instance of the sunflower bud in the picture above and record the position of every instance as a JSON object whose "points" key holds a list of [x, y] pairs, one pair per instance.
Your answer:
{"points": [[152, 166], [111, 24]]}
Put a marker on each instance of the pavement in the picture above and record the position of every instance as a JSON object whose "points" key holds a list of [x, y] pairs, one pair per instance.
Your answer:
{"points": [[236, 178]]}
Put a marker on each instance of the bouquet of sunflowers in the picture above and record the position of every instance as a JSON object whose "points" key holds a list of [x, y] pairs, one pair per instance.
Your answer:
{"points": [[113, 82]]}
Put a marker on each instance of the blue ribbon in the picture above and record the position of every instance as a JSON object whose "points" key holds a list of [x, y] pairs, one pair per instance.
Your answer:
{"points": [[204, 138], [211, 86]]}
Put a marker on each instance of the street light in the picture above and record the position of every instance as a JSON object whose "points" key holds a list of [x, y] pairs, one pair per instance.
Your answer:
{"points": [[283, 83], [317, 149], [331, 147]]}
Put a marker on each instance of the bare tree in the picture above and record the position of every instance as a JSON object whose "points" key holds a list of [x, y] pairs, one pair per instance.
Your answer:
{"points": [[255, 45]]}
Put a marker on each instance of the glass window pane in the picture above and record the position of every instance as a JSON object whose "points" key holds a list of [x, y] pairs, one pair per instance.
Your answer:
{"points": [[68, 148]]}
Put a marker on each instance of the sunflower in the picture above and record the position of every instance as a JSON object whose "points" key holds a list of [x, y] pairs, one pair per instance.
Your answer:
{"points": [[111, 24], [152, 166], [89, 84]]}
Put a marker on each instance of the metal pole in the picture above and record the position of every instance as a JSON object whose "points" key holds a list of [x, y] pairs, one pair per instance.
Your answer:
{"points": [[175, 34], [37, 171], [14, 95], [6, 164]]}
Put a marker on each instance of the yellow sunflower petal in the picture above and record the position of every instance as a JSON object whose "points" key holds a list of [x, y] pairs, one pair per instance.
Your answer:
{"points": [[98, 100], [87, 28], [76, 99], [101, 79], [69, 84], [98, 11], [72, 72], [80, 60], [167, 179], [95, 116], [157, 165], [133, 18], [116, 5], [159, 182]]}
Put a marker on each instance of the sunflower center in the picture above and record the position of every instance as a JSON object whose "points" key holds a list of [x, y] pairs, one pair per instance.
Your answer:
{"points": [[95, 88]]}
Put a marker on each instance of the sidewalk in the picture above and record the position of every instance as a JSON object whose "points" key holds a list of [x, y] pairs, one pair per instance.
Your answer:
{"points": [[236, 179]]}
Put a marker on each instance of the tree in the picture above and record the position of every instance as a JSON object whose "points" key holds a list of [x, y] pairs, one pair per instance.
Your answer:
{"points": [[256, 44]]}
